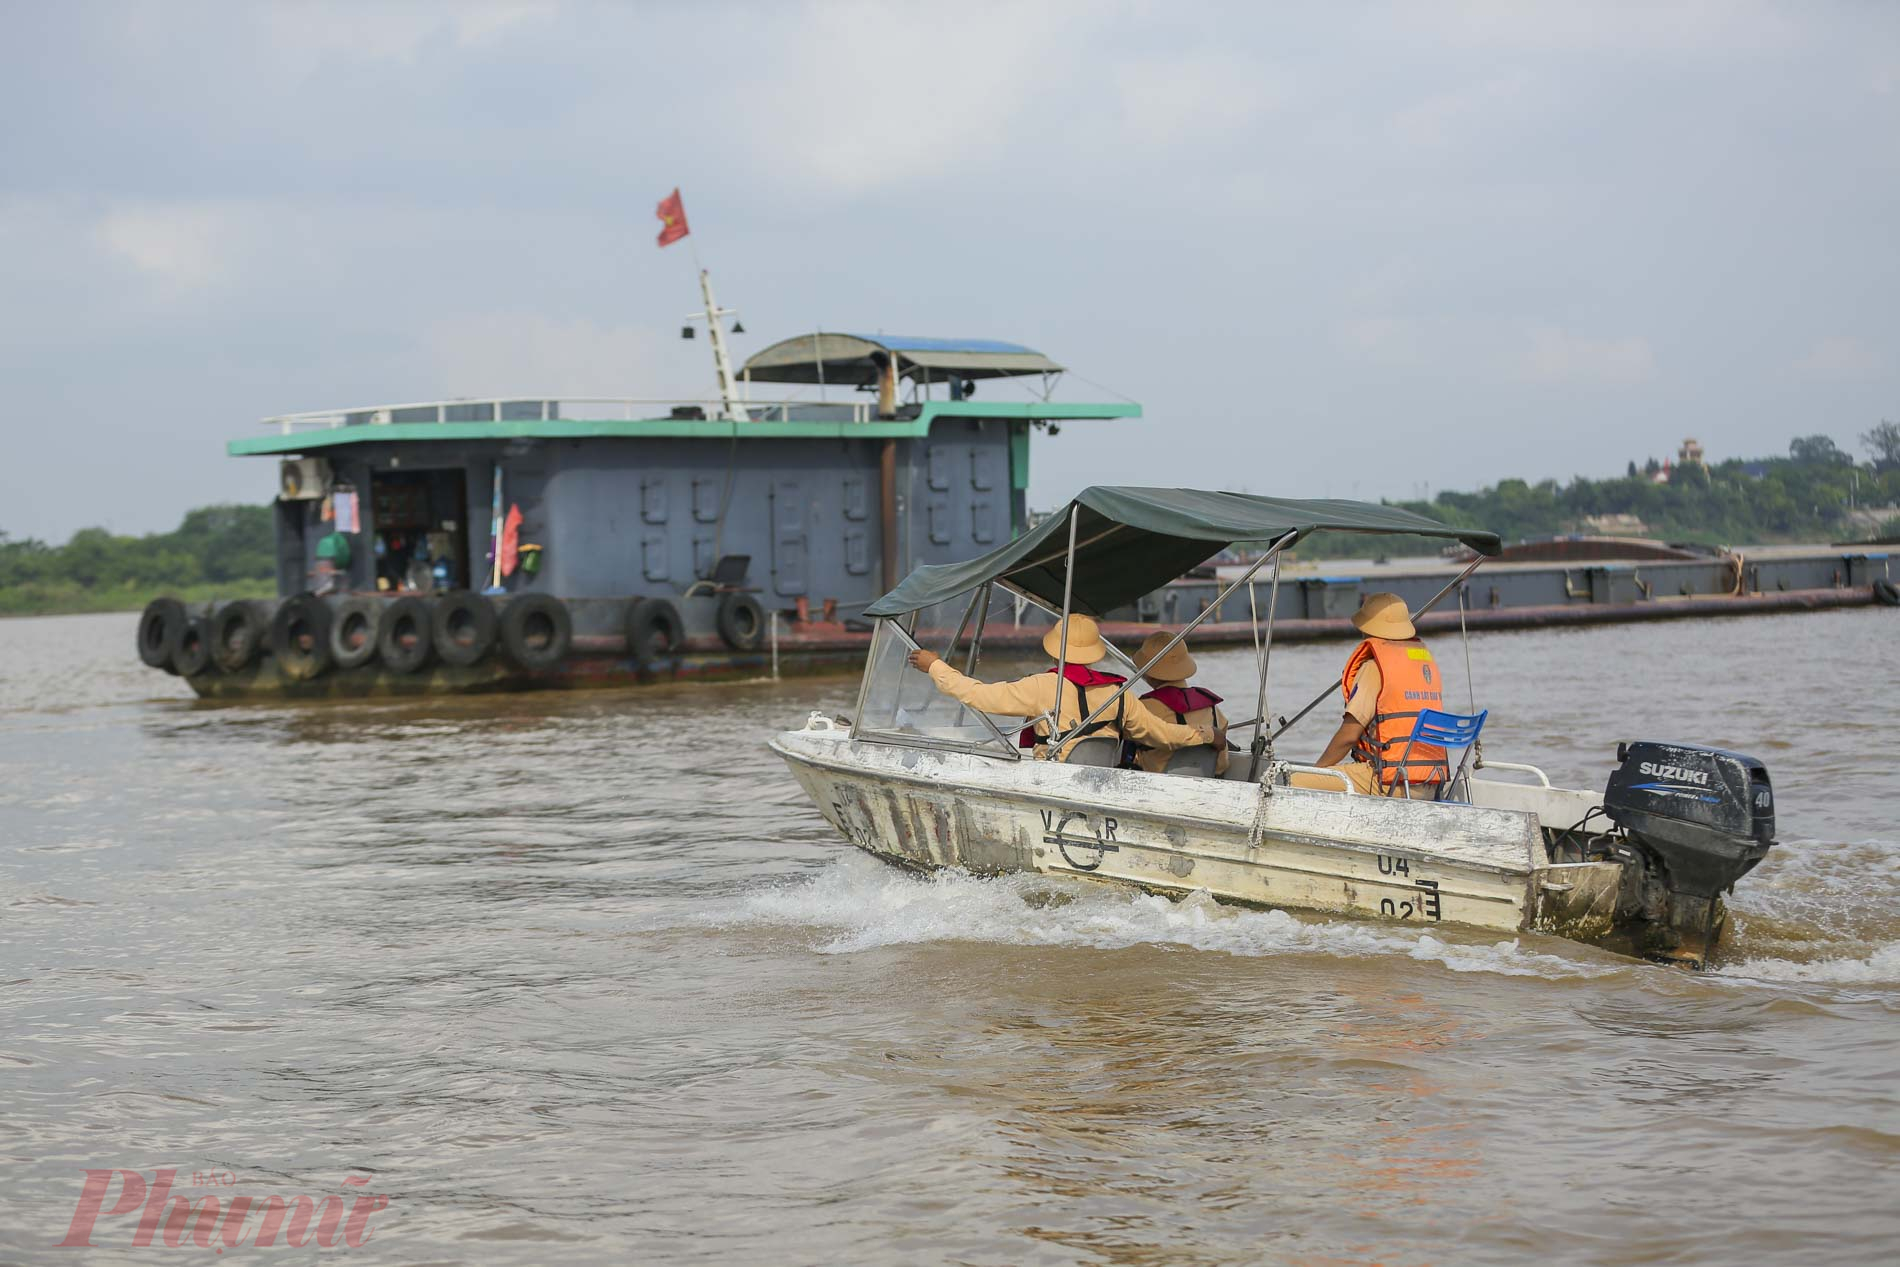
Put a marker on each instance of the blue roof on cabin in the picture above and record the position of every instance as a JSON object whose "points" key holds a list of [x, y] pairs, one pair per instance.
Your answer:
{"points": [[852, 359], [916, 343]]}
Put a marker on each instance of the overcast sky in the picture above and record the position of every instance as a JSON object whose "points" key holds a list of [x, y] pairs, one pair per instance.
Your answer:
{"points": [[1332, 249]]}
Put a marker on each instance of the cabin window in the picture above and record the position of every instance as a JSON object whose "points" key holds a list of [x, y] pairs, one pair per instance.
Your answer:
{"points": [[707, 494], [856, 504], [897, 704], [653, 557], [653, 499], [983, 469], [857, 552], [938, 466]]}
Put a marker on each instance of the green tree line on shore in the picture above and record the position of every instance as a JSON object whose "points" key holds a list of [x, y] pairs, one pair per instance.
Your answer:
{"points": [[227, 551], [217, 551], [1812, 494]]}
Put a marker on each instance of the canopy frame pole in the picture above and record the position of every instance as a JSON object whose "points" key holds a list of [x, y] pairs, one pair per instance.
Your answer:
{"points": [[1262, 746], [976, 638], [962, 625], [1429, 603], [1062, 642], [1186, 629]]}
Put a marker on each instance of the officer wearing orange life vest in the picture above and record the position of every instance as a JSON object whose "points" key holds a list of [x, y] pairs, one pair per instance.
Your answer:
{"points": [[1388, 679]]}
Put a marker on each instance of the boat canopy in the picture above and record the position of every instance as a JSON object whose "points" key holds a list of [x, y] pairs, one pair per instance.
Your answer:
{"points": [[846, 360], [1130, 541]]}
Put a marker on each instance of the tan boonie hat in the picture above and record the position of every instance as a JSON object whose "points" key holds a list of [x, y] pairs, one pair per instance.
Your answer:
{"points": [[1384, 616], [1085, 641], [1176, 666]]}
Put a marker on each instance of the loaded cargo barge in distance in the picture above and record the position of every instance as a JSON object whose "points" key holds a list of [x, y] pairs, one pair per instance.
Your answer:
{"points": [[480, 545]]}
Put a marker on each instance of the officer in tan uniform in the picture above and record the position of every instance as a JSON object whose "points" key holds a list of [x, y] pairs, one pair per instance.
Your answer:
{"points": [[1083, 690], [1388, 680], [1172, 699]]}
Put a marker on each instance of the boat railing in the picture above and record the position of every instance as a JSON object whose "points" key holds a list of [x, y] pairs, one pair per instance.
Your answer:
{"points": [[571, 408]]}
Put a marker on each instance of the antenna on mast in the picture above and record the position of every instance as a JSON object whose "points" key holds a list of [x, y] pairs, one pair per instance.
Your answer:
{"points": [[722, 359]]}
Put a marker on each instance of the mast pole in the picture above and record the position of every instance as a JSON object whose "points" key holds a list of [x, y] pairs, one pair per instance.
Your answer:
{"points": [[722, 359]]}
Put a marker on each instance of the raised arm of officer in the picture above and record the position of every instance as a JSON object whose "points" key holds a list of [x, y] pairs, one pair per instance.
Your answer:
{"points": [[1027, 697]]}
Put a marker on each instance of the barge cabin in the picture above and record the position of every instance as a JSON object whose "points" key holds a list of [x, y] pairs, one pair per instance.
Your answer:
{"points": [[489, 544]]}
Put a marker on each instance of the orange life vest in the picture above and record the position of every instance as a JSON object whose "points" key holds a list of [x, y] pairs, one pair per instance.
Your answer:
{"points": [[1408, 683]]}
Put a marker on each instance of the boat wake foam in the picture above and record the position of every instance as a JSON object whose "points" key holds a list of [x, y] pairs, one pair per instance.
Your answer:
{"points": [[866, 905], [1882, 967]]}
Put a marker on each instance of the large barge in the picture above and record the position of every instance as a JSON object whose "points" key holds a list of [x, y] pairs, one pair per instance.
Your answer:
{"points": [[541, 541]]}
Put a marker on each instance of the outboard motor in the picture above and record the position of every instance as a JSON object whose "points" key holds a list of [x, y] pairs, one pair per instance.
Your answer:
{"points": [[1703, 818]]}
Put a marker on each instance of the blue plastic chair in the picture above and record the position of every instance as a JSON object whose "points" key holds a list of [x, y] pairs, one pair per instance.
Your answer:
{"points": [[1448, 731]]}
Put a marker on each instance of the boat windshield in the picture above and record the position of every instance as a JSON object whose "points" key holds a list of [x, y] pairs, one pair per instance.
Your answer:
{"points": [[897, 704]]}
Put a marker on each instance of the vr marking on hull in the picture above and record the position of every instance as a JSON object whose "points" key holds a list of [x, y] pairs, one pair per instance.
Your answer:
{"points": [[1101, 840]]}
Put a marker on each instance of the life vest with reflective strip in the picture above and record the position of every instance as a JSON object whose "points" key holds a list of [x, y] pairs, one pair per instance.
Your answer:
{"points": [[1408, 683], [1082, 677]]}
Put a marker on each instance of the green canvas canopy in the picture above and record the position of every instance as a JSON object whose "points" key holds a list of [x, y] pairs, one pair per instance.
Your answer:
{"points": [[1130, 541]]}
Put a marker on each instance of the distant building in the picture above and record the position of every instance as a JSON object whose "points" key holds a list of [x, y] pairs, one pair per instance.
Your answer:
{"points": [[1620, 525], [1690, 454]]}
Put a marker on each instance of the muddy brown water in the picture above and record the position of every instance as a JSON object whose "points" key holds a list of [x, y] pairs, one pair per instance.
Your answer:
{"points": [[583, 977]]}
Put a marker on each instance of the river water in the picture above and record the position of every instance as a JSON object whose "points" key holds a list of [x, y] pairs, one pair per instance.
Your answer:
{"points": [[582, 976]]}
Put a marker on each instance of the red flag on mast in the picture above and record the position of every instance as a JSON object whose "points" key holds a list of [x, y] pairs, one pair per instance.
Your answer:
{"points": [[672, 213]]}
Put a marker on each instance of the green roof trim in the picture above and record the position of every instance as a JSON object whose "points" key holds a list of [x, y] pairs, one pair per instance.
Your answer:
{"points": [[671, 428]]}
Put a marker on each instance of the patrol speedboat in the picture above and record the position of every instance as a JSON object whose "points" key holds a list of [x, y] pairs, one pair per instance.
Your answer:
{"points": [[918, 779]]}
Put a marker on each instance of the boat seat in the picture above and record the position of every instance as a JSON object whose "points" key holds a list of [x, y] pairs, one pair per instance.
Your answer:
{"points": [[1097, 751], [1238, 763], [1196, 763], [1453, 732]]}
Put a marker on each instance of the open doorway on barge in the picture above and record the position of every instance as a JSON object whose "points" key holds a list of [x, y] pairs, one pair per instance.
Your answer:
{"points": [[421, 520]]}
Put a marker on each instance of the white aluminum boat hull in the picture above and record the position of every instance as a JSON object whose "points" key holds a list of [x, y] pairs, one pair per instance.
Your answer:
{"points": [[1411, 862]]}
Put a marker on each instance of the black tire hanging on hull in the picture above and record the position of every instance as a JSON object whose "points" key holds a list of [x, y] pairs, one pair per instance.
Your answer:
{"points": [[740, 621], [1886, 593], [192, 655], [237, 635], [654, 630], [464, 627], [536, 631], [354, 630], [300, 637], [160, 625], [406, 641]]}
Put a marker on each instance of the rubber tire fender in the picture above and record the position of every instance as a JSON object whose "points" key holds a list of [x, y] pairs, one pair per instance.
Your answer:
{"points": [[354, 631], [654, 630], [300, 637], [160, 625], [237, 635], [405, 641], [192, 655], [740, 621], [1886, 593], [536, 630], [464, 627]]}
